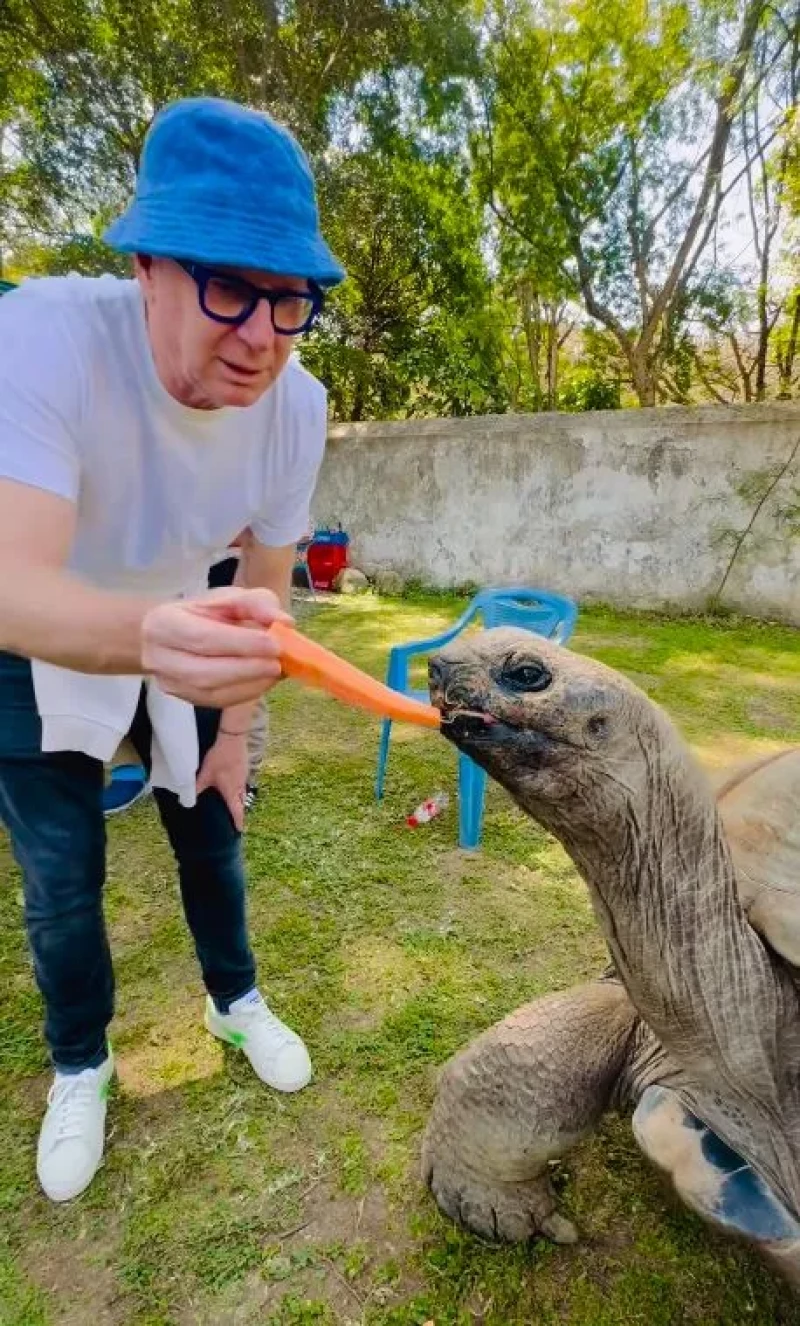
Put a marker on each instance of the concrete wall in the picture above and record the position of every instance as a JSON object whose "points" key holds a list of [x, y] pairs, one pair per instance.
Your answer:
{"points": [[634, 507]]}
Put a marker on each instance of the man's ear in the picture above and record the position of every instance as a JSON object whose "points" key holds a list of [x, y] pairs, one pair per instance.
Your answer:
{"points": [[142, 267]]}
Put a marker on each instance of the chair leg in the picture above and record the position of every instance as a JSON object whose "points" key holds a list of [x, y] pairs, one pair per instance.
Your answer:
{"points": [[310, 581], [383, 755], [471, 797]]}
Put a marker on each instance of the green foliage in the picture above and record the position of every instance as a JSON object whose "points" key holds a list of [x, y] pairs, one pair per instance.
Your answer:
{"points": [[505, 182], [408, 332], [595, 156], [587, 390]]}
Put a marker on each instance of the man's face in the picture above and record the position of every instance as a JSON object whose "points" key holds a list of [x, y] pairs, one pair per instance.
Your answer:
{"points": [[203, 363]]}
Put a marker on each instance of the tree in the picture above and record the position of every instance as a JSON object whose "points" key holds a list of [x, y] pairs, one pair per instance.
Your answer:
{"points": [[753, 317], [410, 331], [83, 83], [530, 196], [587, 101], [80, 81]]}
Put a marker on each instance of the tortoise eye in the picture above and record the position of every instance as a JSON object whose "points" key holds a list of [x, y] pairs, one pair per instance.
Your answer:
{"points": [[532, 676]]}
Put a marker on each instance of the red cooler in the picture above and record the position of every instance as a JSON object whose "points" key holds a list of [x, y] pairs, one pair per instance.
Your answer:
{"points": [[327, 556]]}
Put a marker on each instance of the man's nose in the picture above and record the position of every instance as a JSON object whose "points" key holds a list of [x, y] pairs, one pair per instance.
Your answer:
{"points": [[258, 331]]}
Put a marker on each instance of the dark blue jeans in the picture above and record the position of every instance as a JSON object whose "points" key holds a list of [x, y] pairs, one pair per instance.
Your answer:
{"points": [[52, 807]]}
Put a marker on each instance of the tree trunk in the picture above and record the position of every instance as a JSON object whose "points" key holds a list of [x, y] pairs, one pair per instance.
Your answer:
{"points": [[642, 375], [514, 383], [786, 358], [359, 403], [532, 324], [745, 373], [552, 358], [763, 329]]}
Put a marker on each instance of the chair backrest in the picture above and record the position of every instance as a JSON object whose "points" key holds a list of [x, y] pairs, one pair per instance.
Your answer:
{"points": [[550, 615]]}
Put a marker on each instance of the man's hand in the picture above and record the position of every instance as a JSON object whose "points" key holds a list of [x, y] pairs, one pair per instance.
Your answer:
{"points": [[216, 650], [225, 768]]}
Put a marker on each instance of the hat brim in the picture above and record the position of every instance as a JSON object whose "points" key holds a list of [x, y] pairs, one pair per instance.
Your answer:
{"points": [[223, 240]]}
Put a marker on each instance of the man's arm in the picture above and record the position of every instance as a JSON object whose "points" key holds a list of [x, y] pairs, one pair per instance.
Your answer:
{"points": [[206, 650], [267, 568], [47, 613]]}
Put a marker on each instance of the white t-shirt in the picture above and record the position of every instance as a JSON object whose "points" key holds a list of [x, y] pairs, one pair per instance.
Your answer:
{"points": [[159, 487]]}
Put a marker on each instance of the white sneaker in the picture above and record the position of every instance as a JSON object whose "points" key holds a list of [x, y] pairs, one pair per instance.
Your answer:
{"points": [[277, 1053], [73, 1131]]}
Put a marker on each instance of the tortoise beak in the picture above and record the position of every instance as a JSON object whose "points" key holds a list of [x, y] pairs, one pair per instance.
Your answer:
{"points": [[462, 720]]}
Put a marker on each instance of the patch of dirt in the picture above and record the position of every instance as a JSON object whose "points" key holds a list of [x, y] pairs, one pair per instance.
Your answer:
{"points": [[354, 1021], [452, 865], [77, 1272], [329, 1219]]}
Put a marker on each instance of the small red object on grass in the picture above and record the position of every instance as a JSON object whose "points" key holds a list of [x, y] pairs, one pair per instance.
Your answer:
{"points": [[429, 809]]}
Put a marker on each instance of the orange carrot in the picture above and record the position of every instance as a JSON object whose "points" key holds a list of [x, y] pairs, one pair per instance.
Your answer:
{"points": [[314, 665]]}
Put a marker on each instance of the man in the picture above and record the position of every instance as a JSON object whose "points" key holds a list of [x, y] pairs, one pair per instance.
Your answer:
{"points": [[143, 424]]}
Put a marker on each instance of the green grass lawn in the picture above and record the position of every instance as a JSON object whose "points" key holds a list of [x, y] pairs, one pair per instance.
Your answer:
{"points": [[221, 1203]]}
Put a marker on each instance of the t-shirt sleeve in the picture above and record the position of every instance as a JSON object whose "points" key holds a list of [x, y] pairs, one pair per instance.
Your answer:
{"points": [[285, 512], [40, 396]]}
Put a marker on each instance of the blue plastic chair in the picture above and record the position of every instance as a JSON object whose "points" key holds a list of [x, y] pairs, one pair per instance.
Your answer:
{"points": [[550, 615]]}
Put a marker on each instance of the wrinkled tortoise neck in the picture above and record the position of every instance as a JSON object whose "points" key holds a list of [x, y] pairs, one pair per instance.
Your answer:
{"points": [[725, 1010]]}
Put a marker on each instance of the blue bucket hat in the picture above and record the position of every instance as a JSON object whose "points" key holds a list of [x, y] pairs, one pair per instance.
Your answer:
{"points": [[224, 185]]}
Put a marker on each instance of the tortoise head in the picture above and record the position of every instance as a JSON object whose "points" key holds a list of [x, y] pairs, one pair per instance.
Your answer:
{"points": [[572, 740]]}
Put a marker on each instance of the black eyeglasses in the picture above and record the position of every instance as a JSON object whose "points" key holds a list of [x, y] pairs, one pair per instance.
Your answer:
{"points": [[232, 300]]}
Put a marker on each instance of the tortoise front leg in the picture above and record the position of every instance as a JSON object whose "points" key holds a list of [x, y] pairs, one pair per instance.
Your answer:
{"points": [[519, 1096]]}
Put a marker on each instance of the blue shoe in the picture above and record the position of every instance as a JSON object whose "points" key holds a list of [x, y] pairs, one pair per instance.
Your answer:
{"points": [[128, 784]]}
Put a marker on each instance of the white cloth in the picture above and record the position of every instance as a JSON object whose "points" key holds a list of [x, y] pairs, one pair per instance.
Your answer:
{"points": [[93, 714], [159, 488]]}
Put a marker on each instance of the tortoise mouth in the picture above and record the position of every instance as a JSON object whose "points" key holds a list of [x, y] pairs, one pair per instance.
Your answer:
{"points": [[468, 725]]}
